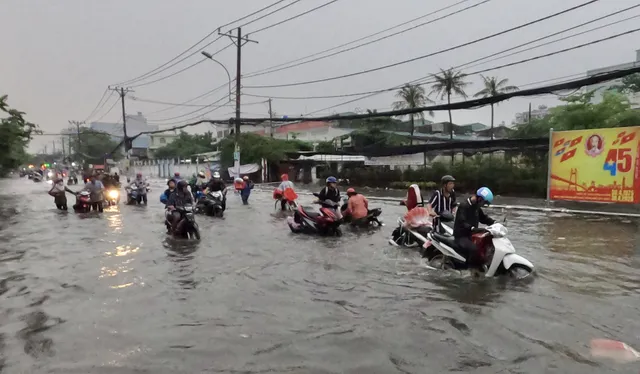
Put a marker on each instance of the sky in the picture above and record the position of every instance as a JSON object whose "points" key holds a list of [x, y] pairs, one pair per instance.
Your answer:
{"points": [[58, 57]]}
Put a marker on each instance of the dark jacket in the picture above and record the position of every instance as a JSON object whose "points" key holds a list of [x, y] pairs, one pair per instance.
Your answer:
{"points": [[469, 216], [329, 194], [180, 199], [248, 186], [216, 185]]}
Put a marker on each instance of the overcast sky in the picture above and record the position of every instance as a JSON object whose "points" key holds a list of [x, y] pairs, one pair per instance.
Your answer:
{"points": [[59, 56]]}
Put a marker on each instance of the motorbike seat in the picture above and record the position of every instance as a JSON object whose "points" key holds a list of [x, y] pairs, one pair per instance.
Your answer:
{"points": [[446, 239], [309, 212]]}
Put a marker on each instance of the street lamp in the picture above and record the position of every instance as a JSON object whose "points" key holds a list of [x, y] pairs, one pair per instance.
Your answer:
{"points": [[210, 57]]}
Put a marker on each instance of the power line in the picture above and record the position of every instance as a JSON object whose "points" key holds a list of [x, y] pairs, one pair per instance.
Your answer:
{"points": [[218, 88], [426, 55], [268, 14], [198, 42], [108, 111], [293, 17], [504, 65], [473, 61], [135, 98], [192, 112], [98, 107], [269, 71], [181, 70], [354, 41]]}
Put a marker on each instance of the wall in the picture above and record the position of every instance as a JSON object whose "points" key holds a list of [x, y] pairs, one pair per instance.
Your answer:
{"points": [[165, 168]]}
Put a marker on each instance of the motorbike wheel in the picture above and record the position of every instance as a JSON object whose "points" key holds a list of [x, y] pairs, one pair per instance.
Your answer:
{"points": [[218, 213], [441, 261], [517, 271]]}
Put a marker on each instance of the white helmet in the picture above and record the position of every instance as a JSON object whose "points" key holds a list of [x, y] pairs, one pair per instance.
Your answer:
{"points": [[216, 175], [201, 174]]}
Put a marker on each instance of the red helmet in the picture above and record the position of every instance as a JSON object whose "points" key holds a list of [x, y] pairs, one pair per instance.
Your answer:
{"points": [[350, 190], [284, 177], [176, 174]]}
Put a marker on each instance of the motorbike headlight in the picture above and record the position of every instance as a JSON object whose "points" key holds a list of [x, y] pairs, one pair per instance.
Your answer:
{"points": [[113, 194]]}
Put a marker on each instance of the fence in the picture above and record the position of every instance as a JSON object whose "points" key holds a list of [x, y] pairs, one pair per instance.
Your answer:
{"points": [[166, 168]]}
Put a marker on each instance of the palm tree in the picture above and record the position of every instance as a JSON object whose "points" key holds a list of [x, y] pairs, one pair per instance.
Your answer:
{"points": [[493, 86], [411, 96], [449, 82]]}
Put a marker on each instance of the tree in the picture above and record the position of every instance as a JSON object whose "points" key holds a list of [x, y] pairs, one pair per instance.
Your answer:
{"points": [[15, 136], [630, 84], [94, 146], [579, 113], [411, 97], [185, 146], [254, 147], [494, 87], [448, 82]]}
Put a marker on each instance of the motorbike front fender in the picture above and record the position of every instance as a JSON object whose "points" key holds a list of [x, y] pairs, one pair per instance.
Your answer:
{"points": [[512, 258]]}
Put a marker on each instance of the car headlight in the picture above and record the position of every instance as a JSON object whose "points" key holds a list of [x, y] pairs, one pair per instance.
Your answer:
{"points": [[113, 194]]}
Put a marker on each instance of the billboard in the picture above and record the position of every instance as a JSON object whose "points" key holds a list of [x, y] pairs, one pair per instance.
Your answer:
{"points": [[597, 165]]}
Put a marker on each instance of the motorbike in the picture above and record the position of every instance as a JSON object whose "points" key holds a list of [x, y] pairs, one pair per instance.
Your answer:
{"points": [[83, 202], [288, 196], [211, 204], [187, 226], [134, 195], [72, 180], [112, 197], [372, 218], [494, 249], [324, 222]]}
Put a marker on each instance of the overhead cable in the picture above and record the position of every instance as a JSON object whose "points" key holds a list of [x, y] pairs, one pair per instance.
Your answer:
{"points": [[293, 17], [367, 71]]}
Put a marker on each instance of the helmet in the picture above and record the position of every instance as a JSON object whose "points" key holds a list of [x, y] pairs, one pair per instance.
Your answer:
{"points": [[350, 190], [486, 194], [182, 185], [245, 178], [332, 180], [201, 174], [216, 175], [176, 174], [138, 174], [447, 178]]}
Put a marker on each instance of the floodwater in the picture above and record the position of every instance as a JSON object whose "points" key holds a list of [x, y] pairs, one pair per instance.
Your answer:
{"points": [[111, 294]]}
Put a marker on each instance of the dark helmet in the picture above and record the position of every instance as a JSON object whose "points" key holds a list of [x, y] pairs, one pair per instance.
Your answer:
{"points": [[447, 178], [182, 184]]}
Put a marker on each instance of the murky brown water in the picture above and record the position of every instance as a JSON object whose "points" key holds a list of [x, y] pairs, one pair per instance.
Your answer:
{"points": [[111, 294]]}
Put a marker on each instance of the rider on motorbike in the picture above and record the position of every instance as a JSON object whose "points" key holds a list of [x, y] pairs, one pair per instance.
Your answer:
{"points": [[179, 198], [96, 189], [286, 183], [469, 216], [330, 192], [216, 184], [164, 198], [444, 199], [141, 185], [357, 205]]}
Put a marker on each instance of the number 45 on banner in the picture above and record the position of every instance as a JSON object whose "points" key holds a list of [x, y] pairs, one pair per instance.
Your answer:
{"points": [[618, 160]]}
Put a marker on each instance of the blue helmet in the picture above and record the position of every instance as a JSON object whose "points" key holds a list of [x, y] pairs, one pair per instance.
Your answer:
{"points": [[332, 180], [485, 194]]}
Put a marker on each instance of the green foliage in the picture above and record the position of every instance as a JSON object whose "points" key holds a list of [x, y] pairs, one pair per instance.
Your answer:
{"points": [[15, 134], [93, 146], [325, 147], [493, 86], [374, 137], [501, 176], [254, 147], [449, 82], [412, 96], [630, 84], [579, 113], [185, 146]]}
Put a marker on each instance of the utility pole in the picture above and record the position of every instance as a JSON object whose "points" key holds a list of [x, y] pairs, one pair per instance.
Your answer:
{"points": [[64, 155], [270, 118], [529, 117], [122, 92], [77, 125], [239, 41], [54, 146]]}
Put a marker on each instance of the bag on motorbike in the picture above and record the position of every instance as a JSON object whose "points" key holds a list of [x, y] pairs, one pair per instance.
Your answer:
{"points": [[418, 217], [290, 194]]}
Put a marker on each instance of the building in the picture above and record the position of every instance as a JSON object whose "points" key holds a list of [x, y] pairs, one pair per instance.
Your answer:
{"points": [[136, 124], [600, 88], [523, 117], [160, 140], [309, 131]]}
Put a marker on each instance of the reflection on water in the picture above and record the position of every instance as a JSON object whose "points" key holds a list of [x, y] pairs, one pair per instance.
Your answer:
{"points": [[260, 299]]}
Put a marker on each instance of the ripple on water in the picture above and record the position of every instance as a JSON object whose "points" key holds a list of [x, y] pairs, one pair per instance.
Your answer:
{"points": [[251, 297]]}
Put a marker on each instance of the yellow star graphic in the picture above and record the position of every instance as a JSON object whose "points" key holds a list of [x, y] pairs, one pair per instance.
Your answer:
{"points": [[611, 163]]}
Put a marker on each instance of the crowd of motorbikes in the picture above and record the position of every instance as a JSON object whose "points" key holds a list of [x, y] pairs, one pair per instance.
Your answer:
{"points": [[414, 230]]}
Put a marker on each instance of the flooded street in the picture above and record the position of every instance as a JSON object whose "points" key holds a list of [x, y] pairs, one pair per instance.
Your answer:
{"points": [[112, 294]]}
